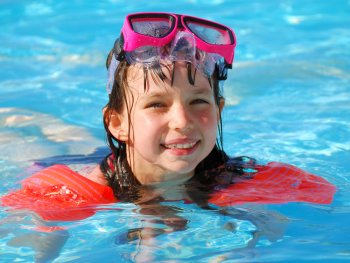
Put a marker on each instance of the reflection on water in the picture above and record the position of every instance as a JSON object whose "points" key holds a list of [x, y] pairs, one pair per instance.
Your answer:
{"points": [[26, 135]]}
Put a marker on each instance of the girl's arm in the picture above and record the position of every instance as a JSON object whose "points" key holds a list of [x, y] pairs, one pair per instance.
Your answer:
{"points": [[97, 176]]}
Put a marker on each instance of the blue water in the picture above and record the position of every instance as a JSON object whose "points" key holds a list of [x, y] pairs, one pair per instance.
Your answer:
{"points": [[287, 100]]}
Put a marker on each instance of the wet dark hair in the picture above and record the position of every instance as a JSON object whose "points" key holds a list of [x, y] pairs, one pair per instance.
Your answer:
{"points": [[117, 102]]}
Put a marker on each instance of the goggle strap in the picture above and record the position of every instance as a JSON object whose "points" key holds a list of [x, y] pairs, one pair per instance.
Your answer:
{"points": [[118, 48], [111, 71], [222, 72]]}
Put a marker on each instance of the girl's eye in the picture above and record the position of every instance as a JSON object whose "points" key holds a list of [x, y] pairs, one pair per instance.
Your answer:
{"points": [[200, 101], [155, 105]]}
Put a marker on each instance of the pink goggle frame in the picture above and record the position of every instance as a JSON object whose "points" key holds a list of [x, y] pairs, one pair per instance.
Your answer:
{"points": [[159, 29]]}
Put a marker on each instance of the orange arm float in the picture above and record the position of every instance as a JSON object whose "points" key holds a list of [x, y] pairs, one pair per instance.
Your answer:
{"points": [[276, 183], [58, 193]]}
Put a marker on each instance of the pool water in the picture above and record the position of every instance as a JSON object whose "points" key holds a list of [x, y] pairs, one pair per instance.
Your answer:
{"points": [[287, 100]]}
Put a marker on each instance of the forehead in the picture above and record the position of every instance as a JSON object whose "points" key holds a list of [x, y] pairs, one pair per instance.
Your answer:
{"points": [[142, 80]]}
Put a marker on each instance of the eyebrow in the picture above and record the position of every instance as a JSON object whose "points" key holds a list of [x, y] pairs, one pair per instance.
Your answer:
{"points": [[202, 91], [195, 91]]}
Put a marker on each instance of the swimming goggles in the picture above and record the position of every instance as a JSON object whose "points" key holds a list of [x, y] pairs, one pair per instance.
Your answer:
{"points": [[150, 37]]}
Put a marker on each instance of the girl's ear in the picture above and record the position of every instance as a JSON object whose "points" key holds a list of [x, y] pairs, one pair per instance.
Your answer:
{"points": [[220, 107], [116, 124], [221, 104]]}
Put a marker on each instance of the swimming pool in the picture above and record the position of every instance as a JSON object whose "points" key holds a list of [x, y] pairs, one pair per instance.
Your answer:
{"points": [[288, 100]]}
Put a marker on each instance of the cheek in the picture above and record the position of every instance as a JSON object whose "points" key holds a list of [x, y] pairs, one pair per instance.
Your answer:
{"points": [[208, 119], [145, 127], [143, 121]]}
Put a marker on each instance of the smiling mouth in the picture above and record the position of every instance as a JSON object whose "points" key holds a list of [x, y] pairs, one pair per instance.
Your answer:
{"points": [[180, 145]]}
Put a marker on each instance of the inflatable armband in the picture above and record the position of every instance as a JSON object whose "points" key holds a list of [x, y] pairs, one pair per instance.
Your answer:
{"points": [[58, 193], [276, 183]]}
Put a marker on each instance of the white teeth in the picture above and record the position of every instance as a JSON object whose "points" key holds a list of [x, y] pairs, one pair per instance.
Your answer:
{"points": [[180, 146]]}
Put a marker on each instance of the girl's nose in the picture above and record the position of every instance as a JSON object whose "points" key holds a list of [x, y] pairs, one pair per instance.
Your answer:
{"points": [[180, 118]]}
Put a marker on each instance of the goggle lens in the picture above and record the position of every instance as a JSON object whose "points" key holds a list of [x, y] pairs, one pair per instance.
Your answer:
{"points": [[210, 33], [152, 26]]}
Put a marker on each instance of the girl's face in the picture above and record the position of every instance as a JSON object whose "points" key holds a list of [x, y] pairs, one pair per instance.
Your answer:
{"points": [[173, 127]]}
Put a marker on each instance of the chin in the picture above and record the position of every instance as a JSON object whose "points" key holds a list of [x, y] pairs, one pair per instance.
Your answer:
{"points": [[183, 169]]}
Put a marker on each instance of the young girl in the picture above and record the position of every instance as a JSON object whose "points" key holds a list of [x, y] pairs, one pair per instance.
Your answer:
{"points": [[163, 125], [165, 101]]}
